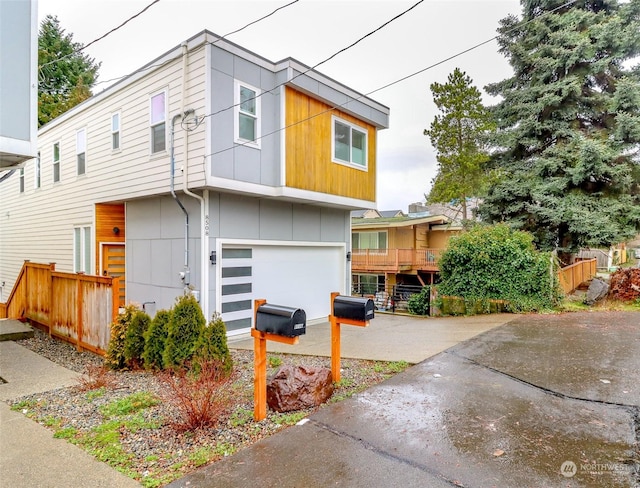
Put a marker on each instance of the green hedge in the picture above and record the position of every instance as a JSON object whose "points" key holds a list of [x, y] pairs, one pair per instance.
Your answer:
{"points": [[499, 263]]}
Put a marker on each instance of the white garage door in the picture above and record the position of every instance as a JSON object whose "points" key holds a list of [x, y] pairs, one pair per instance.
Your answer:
{"points": [[295, 276]]}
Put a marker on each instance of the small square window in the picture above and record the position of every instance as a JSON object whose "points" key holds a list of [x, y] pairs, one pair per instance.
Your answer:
{"points": [[349, 143]]}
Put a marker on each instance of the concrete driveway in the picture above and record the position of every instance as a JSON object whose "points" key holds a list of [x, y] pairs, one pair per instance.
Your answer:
{"points": [[543, 401]]}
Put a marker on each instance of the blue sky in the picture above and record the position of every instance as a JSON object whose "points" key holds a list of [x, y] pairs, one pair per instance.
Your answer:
{"points": [[311, 31]]}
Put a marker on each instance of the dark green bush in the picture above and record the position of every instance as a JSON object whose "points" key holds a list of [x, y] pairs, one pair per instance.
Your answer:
{"points": [[212, 345], [134, 338], [115, 357], [418, 303], [185, 327], [497, 262], [155, 340]]}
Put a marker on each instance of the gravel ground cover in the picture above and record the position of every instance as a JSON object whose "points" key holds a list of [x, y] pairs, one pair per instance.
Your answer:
{"points": [[128, 425]]}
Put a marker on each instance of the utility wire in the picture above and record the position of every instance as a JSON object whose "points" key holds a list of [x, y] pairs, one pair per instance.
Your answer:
{"points": [[146, 68], [321, 62], [399, 80], [82, 48]]}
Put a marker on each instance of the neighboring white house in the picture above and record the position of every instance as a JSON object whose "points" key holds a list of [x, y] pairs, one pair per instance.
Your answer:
{"points": [[210, 168], [18, 82]]}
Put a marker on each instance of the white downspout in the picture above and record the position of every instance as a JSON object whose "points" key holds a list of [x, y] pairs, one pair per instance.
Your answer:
{"points": [[204, 202]]}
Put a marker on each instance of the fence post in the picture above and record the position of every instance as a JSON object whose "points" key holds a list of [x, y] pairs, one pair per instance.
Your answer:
{"points": [[79, 307], [52, 268], [115, 298]]}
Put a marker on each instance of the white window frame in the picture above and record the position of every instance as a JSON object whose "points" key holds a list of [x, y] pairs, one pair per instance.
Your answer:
{"points": [[37, 172], [352, 127], [21, 181], [82, 255], [117, 132], [81, 151], [55, 161], [378, 250], [238, 85], [153, 124]]}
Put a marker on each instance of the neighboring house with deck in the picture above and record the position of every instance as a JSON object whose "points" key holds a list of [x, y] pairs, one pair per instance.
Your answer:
{"points": [[397, 251], [210, 168]]}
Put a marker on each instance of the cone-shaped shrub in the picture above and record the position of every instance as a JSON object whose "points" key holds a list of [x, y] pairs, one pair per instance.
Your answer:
{"points": [[155, 340], [134, 338], [212, 345], [186, 324], [115, 358]]}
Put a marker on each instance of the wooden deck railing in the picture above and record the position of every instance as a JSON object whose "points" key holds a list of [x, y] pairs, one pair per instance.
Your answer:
{"points": [[395, 260], [75, 307], [572, 276]]}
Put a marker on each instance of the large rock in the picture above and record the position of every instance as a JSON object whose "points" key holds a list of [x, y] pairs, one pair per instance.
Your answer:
{"points": [[299, 387], [597, 291]]}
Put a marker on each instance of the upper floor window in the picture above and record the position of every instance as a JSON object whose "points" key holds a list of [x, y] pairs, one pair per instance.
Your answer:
{"points": [[158, 122], [81, 151], [247, 114], [21, 180], [56, 162], [349, 143], [115, 131], [36, 182], [369, 240]]}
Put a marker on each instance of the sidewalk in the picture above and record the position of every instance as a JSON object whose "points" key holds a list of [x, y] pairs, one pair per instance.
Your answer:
{"points": [[29, 455]]}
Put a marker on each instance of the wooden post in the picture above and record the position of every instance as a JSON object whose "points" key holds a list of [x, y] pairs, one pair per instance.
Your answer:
{"points": [[260, 363], [115, 297], [335, 338], [52, 301], [80, 306]]}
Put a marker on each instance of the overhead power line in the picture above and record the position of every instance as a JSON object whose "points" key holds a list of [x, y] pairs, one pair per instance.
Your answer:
{"points": [[399, 80], [146, 68], [80, 49], [321, 62]]}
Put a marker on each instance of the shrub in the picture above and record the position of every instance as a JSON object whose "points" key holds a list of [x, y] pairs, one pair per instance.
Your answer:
{"points": [[212, 344], [497, 262], [95, 377], [184, 330], [200, 397], [115, 358], [155, 340], [418, 303], [134, 338]]}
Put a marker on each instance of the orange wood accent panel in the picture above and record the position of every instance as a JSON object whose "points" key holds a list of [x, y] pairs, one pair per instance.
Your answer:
{"points": [[108, 216], [308, 151]]}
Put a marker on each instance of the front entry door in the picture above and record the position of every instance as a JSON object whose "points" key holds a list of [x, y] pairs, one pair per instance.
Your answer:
{"points": [[113, 264]]}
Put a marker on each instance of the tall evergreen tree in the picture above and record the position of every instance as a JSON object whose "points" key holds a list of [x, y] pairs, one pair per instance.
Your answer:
{"points": [[569, 123], [65, 75], [457, 134]]}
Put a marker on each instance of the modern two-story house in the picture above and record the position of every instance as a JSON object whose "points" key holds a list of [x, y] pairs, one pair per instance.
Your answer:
{"points": [[211, 169]]}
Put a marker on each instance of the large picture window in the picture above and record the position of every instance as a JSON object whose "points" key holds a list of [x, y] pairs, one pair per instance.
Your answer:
{"points": [[349, 143], [369, 240], [158, 123], [247, 114]]}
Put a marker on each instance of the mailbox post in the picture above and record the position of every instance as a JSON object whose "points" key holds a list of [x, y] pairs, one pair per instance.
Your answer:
{"points": [[294, 321], [350, 311]]}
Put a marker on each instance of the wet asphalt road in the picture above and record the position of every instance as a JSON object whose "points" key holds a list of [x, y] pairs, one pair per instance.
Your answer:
{"points": [[543, 401]]}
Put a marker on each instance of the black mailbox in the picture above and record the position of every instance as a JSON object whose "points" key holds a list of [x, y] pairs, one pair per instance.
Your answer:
{"points": [[354, 308], [280, 320]]}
